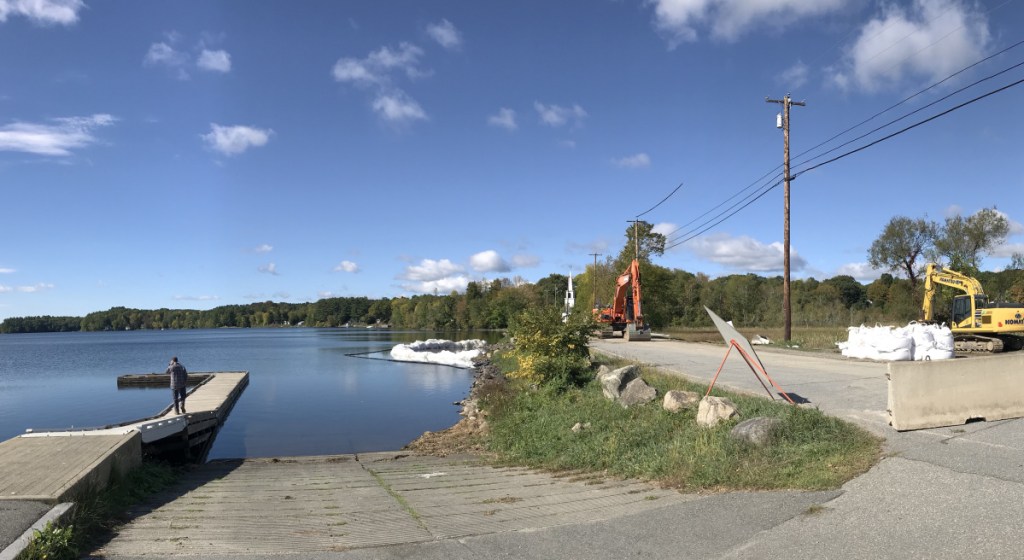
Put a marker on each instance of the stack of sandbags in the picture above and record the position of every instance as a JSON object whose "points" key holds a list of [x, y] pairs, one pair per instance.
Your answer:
{"points": [[916, 341], [932, 342]]}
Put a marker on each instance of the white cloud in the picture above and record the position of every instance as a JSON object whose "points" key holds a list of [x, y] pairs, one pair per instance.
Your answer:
{"points": [[397, 107], [214, 61], [556, 115], [488, 261], [44, 12], [7, 271], [434, 276], [377, 71], [269, 268], [743, 253], [928, 39], [196, 298], [163, 54], [664, 228], [346, 266], [793, 77], [430, 270], [265, 248], [26, 289], [861, 272], [506, 118], [445, 33], [233, 140], [58, 139], [635, 161], [377, 66], [525, 261], [568, 144], [679, 20]]}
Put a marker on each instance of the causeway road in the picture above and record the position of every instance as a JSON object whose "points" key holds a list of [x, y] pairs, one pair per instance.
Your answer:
{"points": [[942, 493]]}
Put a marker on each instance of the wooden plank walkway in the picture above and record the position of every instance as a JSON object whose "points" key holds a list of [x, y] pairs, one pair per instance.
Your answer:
{"points": [[55, 466], [306, 505]]}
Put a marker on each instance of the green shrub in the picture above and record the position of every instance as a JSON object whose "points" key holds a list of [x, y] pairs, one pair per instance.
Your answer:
{"points": [[549, 352], [52, 543]]}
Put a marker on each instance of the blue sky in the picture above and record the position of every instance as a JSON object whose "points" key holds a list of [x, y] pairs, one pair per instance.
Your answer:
{"points": [[196, 154]]}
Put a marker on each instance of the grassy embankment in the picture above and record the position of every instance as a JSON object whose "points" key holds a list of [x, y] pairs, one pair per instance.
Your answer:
{"points": [[529, 424], [95, 514]]}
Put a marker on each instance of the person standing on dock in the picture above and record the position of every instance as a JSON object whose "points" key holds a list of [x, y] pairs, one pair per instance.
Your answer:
{"points": [[179, 379]]}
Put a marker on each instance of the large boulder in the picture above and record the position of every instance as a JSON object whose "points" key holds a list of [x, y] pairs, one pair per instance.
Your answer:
{"points": [[615, 381], [602, 370], [679, 400], [713, 410], [636, 392], [758, 431]]}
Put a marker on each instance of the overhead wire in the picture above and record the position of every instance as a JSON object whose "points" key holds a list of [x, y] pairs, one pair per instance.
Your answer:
{"points": [[662, 200], [849, 129], [915, 125], [908, 98], [761, 191], [706, 226], [914, 112]]}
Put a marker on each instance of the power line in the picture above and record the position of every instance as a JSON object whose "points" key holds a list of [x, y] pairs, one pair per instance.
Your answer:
{"points": [[719, 205], [915, 125], [906, 99], [662, 200], [914, 112], [755, 195], [698, 233], [851, 152], [773, 172]]}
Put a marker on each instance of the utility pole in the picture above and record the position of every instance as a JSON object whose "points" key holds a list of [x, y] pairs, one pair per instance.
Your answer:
{"points": [[787, 313], [595, 255]]}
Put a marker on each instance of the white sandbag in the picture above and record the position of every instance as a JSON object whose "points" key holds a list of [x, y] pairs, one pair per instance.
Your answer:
{"points": [[898, 355], [937, 354], [888, 339], [943, 338]]}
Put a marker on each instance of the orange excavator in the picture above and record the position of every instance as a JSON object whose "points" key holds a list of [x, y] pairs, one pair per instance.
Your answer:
{"points": [[625, 315]]}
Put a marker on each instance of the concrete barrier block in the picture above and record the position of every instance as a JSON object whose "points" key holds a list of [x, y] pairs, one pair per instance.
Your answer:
{"points": [[938, 393]]}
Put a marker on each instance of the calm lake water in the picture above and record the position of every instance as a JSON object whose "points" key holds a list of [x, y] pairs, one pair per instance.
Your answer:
{"points": [[305, 395]]}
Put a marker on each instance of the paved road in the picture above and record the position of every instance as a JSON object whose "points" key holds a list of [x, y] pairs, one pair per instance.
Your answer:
{"points": [[943, 493]]}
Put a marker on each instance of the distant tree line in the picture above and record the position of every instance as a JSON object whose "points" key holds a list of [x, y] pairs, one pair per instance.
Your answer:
{"points": [[671, 297]]}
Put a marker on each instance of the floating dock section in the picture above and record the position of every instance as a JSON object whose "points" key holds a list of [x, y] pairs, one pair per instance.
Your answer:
{"points": [[57, 466]]}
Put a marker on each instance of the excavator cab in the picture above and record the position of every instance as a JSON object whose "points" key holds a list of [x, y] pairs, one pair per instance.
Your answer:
{"points": [[962, 309]]}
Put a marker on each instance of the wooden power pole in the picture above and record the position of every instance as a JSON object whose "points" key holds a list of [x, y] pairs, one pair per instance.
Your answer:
{"points": [[787, 312], [595, 255]]}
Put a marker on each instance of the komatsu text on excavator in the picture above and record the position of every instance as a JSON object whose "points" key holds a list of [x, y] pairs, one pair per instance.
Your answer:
{"points": [[626, 314], [978, 325]]}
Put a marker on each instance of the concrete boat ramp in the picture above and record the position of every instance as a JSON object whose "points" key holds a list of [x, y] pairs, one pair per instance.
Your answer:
{"points": [[310, 505]]}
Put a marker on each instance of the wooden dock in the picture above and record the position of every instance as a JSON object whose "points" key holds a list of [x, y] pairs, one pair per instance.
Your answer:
{"points": [[56, 466]]}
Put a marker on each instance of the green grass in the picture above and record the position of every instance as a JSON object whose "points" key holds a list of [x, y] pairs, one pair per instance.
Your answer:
{"points": [[96, 513], [813, 451]]}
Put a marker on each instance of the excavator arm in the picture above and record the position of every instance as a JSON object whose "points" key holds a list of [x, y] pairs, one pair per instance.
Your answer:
{"points": [[945, 277]]}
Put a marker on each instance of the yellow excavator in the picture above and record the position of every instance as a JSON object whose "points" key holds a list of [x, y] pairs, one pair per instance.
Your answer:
{"points": [[978, 325]]}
